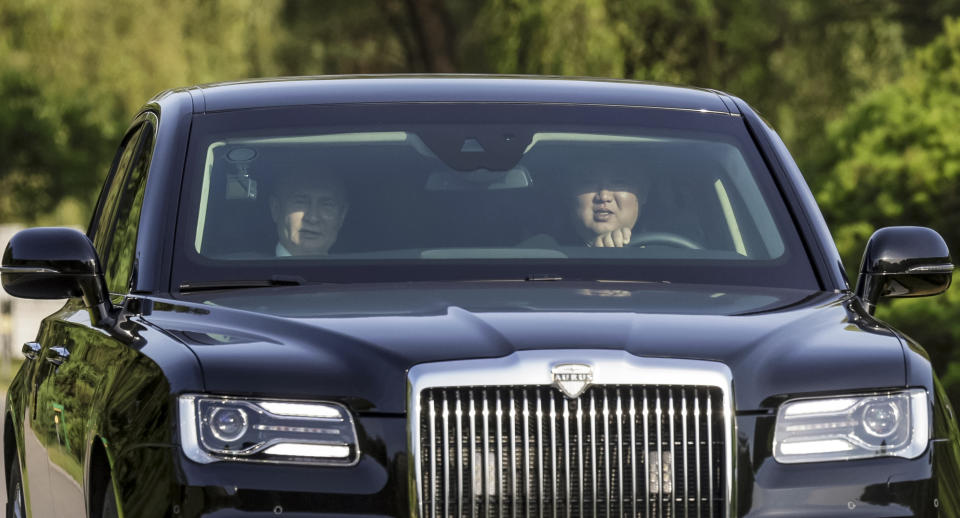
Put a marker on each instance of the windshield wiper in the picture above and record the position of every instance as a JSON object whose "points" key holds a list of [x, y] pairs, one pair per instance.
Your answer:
{"points": [[275, 280]]}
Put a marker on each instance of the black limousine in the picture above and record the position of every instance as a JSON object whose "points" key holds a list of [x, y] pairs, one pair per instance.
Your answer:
{"points": [[468, 297]]}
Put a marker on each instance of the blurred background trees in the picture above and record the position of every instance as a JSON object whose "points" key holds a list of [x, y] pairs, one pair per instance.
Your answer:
{"points": [[866, 93]]}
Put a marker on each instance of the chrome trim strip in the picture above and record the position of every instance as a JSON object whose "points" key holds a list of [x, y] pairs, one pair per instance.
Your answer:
{"points": [[634, 460], [553, 452], [646, 454], [710, 451], [606, 449], [499, 414], [484, 472], [593, 451], [446, 456], [472, 414], [620, 449], [566, 452], [580, 451], [433, 456], [686, 450], [696, 435], [673, 459], [533, 368], [659, 414], [27, 269], [539, 453], [932, 268], [459, 415], [513, 456], [526, 455]]}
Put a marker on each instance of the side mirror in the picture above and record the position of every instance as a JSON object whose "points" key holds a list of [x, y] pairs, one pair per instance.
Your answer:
{"points": [[56, 263], [903, 262]]}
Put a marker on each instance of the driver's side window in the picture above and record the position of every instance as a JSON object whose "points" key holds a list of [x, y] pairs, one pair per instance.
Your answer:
{"points": [[115, 234], [102, 220]]}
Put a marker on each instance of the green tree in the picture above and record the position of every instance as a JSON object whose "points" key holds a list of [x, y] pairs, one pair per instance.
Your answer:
{"points": [[388, 36], [897, 152], [800, 62], [897, 162], [74, 72], [49, 146]]}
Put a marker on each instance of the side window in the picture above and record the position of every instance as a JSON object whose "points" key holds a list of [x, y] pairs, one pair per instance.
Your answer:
{"points": [[119, 254], [102, 219]]}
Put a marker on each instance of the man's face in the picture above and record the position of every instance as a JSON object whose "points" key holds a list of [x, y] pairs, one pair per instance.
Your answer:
{"points": [[605, 204], [308, 214]]}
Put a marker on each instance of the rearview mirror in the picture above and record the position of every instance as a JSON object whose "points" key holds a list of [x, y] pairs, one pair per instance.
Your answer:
{"points": [[55, 263], [903, 262]]}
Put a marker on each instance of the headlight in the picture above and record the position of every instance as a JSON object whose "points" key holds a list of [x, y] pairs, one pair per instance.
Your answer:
{"points": [[853, 427], [226, 428]]}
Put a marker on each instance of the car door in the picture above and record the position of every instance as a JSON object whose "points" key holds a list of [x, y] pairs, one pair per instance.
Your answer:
{"points": [[69, 383], [36, 434]]}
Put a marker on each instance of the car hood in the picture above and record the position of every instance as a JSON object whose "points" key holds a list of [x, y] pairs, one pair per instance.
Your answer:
{"points": [[356, 344]]}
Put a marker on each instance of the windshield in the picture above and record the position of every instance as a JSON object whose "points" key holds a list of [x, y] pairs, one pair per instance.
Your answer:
{"points": [[414, 192]]}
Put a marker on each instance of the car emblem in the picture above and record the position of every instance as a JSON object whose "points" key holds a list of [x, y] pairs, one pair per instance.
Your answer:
{"points": [[572, 378]]}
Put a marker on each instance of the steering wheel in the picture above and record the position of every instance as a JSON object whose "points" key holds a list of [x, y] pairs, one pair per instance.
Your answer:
{"points": [[664, 238]]}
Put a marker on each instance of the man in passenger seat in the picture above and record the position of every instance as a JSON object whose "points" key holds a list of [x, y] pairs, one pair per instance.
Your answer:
{"points": [[308, 210]]}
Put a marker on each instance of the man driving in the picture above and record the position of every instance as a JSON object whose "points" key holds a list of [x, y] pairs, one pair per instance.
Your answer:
{"points": [[308, 210], [606, 207]]}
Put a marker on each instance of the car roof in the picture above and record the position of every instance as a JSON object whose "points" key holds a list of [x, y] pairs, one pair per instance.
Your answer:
{"points": [[296, 91]]}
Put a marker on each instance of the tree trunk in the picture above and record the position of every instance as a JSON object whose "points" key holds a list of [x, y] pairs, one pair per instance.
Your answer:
{"points": [[434, 33]]}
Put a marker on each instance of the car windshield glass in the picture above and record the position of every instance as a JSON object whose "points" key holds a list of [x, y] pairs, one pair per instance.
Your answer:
{"points": [[408, 192]]}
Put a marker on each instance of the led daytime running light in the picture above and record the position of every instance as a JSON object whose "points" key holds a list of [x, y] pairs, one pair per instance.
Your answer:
{"points": [[819, 406], [302, 410], [825, 446], [333, 451]]}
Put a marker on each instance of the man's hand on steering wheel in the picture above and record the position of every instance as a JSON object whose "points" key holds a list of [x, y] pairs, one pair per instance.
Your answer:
{"points": [[621, 237], [664, 239]]}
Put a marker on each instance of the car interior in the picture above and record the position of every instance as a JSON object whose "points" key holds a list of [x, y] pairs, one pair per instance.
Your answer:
{"points": [[406, 200]]}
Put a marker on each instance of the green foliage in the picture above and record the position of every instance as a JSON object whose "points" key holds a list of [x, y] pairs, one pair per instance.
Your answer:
{"points": [[74, 72], [91, 64], [900, 152], [548, 37], [49, 146], [898, 163], [342, 37], [122, 53]]}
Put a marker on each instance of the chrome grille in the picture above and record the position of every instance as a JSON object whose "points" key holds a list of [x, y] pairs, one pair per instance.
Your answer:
{"points": [[617, 450]]}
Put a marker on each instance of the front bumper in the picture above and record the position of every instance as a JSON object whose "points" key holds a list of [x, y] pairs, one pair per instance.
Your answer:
{"points": [[157, 481]]}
